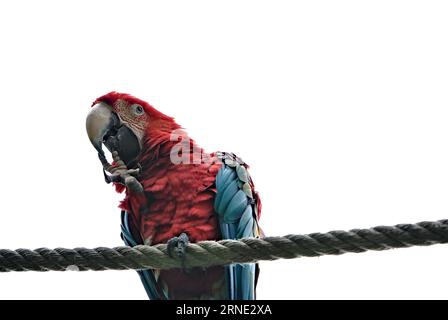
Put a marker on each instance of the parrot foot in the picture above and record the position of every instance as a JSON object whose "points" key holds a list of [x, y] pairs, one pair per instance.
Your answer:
{"points": [[177, 248], [121, 174]]}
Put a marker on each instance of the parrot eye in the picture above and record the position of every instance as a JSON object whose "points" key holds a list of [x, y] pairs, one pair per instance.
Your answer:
{"points": [[138, 109]]}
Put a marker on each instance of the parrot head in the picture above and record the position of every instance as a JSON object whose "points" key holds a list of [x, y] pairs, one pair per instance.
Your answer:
{"points": [[125, 124]]}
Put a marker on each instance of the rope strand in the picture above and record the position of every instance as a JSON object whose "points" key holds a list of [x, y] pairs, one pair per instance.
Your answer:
{"points": [[210, 253]]}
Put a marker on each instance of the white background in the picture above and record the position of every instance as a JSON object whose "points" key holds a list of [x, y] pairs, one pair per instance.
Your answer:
{"points": [[340, 107]]}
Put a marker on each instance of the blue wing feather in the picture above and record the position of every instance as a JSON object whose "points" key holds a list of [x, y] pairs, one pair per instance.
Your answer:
{"points": [[223, 179], [228, 192], [246, 219], [236, 207], [237, 220]]}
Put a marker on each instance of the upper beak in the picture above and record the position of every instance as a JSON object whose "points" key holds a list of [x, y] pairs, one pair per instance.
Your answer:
{"points": [[104, 127], [99, 121]]}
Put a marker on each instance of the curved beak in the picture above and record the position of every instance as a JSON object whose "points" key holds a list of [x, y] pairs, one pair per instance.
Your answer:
{"points": [[104, 127], [99, 121]]}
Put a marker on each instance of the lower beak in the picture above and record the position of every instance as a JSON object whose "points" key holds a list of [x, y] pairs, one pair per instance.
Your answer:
{"points": [[104, 127]]}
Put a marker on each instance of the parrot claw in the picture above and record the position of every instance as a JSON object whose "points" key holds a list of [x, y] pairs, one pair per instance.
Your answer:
{"points": [[177, 248], [119, 173]]}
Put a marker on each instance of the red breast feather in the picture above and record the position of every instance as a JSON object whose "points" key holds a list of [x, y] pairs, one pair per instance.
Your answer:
{"points": [[178, 197]]}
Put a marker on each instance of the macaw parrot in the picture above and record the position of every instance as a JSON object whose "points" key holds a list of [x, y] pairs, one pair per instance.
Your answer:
{"points": [[175, 192]]}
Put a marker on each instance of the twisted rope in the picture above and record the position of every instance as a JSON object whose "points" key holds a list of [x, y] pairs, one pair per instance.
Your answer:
{"points": [[210, 253]]}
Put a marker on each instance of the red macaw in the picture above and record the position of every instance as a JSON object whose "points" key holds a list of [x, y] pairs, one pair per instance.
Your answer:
{"points": [[175, 193]]}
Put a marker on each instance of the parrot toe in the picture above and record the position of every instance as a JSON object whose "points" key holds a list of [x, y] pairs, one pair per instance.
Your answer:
{"points": [[121, 174], [177, 247]]}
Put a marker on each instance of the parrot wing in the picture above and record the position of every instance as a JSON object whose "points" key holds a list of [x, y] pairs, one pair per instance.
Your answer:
{"points": [[147, 276], [237, 206]]}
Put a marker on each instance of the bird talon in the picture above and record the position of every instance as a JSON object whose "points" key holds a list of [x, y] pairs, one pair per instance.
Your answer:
{"points": [[177, 247], [107, 178], [119, 173]]}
